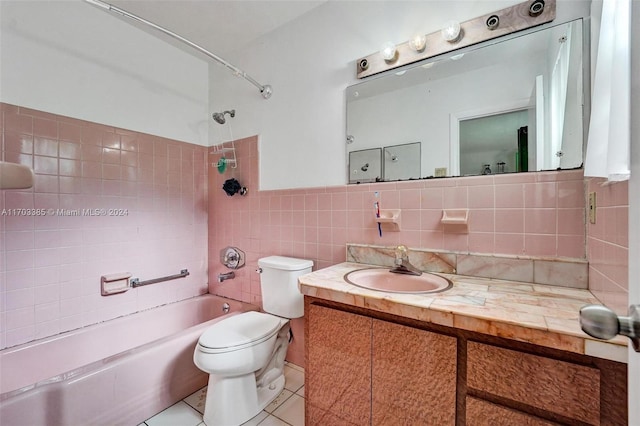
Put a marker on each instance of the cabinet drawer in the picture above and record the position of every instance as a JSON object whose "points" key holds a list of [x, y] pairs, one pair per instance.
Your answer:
{"points": [[559, 387], [484, 413]]}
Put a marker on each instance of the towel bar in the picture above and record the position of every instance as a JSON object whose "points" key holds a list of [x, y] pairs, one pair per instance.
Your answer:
{"points": [[135, 282]]}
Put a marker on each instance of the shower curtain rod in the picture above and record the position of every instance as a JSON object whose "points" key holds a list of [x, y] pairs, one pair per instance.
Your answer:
{"points": [[265, 90]]}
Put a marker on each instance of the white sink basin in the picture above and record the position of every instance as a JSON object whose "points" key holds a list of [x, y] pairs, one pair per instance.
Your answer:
{"points": [[380, 279]]}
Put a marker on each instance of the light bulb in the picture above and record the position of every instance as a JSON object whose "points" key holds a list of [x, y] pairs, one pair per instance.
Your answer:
{"points": [[388, 51], [418, 42], [451, 31]]}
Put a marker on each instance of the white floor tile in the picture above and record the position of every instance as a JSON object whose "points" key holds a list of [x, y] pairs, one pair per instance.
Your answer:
{"points": [[197, 399], [291, 411], [294, 366], [284, 395], [294, 379], [286, 410], [257, 419], [272, 421], [179, 413]]}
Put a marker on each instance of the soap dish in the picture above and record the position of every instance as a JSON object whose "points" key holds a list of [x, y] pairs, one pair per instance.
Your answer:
{"points": [[455, 217], [389, 220]]}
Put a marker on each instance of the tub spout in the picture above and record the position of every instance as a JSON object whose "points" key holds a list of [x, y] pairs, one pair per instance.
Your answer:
{"points": [[226, 276]]}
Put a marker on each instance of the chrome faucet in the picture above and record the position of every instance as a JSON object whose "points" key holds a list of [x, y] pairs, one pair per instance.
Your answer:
{"points": [[403, 266], [226, 276]]}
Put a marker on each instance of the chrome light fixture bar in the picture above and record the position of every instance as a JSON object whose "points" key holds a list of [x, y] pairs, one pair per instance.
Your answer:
{"points": [[519, 17], [265, 90]]}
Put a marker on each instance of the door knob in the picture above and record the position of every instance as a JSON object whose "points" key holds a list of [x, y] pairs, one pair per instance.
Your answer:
{"points": [[602, 323]]}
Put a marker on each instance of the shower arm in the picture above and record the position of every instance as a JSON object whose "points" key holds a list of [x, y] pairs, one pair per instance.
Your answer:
{"points": [[265, 90]]}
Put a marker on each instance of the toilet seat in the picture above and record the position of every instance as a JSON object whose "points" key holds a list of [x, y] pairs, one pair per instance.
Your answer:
{"points": [[238, 332]]}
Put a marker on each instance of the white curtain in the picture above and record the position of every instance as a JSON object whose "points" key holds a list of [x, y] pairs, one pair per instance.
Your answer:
{"points": [[608, 143]]}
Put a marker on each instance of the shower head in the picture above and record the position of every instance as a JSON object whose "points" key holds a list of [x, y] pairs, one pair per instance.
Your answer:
{"points": [[219, 116]]}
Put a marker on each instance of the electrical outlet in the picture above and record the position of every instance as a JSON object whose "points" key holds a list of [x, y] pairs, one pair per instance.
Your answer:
{"points": [[592, 207], [440, 172]]}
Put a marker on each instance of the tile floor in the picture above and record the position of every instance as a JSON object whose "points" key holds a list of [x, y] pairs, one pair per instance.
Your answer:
{"points": [[286, 409]]}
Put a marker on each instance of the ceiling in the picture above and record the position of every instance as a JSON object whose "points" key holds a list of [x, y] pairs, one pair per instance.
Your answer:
{"points": [[220, 26]]}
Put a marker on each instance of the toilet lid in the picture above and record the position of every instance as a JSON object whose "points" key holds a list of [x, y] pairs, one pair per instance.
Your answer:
{"points": [[239, 330], [283, 263]]}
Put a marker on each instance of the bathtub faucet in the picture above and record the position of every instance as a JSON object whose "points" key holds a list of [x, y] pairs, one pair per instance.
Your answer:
{"points": [[226, 276]]}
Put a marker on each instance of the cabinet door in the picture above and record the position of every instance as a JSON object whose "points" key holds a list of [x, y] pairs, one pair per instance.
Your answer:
{"points": [[338, 377], [414, 376]]}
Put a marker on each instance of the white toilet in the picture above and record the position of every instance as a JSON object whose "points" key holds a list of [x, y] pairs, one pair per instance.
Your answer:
{"points": [[244, 354]]}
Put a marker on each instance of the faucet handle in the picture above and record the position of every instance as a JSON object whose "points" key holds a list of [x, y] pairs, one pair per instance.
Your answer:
{"points": [[402, 253]]}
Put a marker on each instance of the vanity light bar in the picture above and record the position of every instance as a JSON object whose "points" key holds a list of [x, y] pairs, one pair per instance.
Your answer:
{"points": [[505, 21]]}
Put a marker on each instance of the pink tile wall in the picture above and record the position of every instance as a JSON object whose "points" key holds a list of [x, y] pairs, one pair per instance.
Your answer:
{"points": [[537, 214], [50, 265], [608, 244]]}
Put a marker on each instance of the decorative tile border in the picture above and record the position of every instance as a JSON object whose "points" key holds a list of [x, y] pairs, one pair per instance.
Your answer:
{"points": [[572, 273]]}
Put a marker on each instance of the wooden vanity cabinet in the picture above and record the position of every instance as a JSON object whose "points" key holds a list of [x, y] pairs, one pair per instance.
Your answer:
{"points": [[365, 367], [363, 371]]}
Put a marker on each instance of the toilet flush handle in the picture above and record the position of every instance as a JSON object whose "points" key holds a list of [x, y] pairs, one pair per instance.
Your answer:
{"points": [[259, 270]]}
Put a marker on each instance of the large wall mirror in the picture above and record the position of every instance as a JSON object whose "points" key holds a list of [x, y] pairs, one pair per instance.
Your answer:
{"points": [[500, 107]]}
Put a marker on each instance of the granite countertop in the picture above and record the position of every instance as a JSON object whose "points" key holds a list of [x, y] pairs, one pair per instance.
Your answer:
{"points": [[540, 314]]}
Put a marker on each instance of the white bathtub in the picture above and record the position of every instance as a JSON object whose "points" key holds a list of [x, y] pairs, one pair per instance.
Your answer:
{"points": [[117, 372]]}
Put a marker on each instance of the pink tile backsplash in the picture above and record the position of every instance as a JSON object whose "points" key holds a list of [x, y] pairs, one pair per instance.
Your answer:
{"points": [[607, 244], [50, 265], [321, 220]]}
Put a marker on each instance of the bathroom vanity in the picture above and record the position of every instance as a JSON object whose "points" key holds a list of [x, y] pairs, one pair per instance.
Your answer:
{"points": [[485, 352]]}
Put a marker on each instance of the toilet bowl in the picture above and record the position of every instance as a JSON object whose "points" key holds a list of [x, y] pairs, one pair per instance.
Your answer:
{"points": [[231, 351], [244, 354]]}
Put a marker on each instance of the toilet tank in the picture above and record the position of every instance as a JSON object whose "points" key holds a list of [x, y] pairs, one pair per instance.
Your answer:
{"points": [[279, 283]]}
